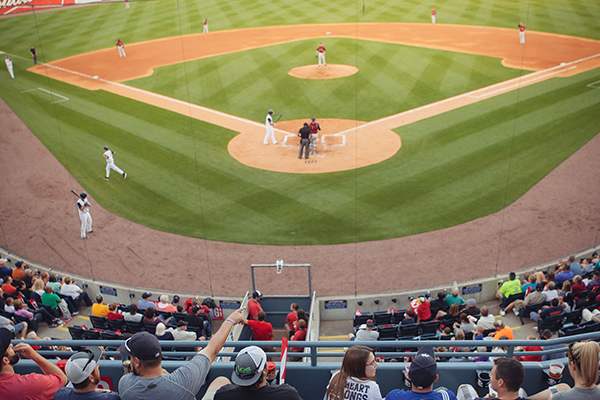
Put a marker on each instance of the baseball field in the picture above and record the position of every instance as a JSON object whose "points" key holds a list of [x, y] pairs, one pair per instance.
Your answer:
{"points": [[453, 166]]}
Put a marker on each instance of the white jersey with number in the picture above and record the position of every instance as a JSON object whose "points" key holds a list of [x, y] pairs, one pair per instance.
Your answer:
{"points": [[109, 156]]}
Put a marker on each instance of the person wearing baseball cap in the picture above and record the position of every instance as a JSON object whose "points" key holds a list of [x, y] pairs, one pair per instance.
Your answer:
{"points": [[150, 381], [30, 386], [254, 305], [422, 373], [249, 380], [83, 372], [145, 302]]}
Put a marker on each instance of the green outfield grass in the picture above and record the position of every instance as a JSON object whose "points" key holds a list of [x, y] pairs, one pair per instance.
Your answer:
{"points": [[451, 169]]}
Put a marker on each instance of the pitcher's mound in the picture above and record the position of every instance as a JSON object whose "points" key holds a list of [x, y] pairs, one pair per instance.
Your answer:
{"points": [[329, 71], [342, 145]]}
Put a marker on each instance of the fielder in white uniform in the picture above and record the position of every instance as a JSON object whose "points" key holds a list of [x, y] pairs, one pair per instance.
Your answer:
{"points": [[110, 163], [9, 65], [205, 25], [83, 206], [269, 124], [321, 55]]}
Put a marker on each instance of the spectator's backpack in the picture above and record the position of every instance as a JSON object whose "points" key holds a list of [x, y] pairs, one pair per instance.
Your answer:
{"points": [[209, 302]]}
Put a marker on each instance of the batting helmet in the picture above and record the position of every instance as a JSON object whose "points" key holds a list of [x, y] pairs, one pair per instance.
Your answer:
{"points": [[270, 111], [313, 119], [105, 148], [83, 195]]}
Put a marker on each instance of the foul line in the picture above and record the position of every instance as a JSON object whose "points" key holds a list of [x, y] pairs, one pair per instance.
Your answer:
{"points": [[50, 93]]}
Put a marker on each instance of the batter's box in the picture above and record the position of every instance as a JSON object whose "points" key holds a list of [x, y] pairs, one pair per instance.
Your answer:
{"points": [[53, 97], [595, 85], [333, 140]]}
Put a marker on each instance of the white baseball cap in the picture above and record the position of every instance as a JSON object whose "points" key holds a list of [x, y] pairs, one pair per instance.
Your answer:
{"points": [[82, 364]]}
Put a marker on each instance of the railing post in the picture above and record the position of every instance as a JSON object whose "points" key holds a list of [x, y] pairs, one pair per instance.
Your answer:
{"points": [[313, 355], [510, 351]]}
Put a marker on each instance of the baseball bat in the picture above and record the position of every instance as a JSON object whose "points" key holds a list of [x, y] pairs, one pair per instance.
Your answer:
{"points": [[281, 115], [76, 194]]}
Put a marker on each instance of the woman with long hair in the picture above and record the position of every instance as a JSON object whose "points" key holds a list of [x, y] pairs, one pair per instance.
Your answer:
{"points": [[356, 378]]}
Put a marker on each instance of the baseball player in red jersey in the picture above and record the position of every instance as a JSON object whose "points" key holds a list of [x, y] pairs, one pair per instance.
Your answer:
{"points": [[321, 54], [205, 25], [521, 33], [433, 16], [121, 48], [314, 131]]}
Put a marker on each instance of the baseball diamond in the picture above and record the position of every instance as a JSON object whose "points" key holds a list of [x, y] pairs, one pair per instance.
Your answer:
{"points": [[438, 143]]}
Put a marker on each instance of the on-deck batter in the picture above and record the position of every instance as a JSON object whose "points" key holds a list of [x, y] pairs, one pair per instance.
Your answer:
{"points": [[314, 131], [83, 206], [321, 54], [269, 124], [121, 48], [110, 163], [9, 65]]}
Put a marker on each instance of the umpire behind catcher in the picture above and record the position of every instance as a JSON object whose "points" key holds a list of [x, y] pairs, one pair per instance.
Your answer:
{"points": [[305, 135]]}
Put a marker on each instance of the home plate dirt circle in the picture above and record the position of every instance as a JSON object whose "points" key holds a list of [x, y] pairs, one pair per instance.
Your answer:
{"points": [[343, 145], [330, 71]]}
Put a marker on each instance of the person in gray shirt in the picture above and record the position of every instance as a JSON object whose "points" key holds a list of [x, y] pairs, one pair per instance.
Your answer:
{"points": [[150, 381]]}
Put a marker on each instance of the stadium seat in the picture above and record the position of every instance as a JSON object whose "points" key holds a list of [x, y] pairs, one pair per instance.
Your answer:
{"points": [[388, 332], [382, 318], [397, 317], [554, 323], [573, 317], [430, 327], [92, 335], [525, 312], [117, 325], [164, 314], [361, 319], [409, 330], [108, 335], [99, 322], [179, 316], [77, 332], [591, 326], [571, 330], [134, 327], [150, 328]]}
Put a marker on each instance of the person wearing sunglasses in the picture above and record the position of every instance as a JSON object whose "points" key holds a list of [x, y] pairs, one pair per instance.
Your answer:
{"points": [[30, 386], [150, 381], [356, 378], [583, 366], [83, 372]]}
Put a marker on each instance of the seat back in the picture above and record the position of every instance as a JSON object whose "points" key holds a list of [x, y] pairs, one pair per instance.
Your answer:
{"points": [[99, 322], [77, 332], [573, 317], [553, 322], [134, 327], [166, 315], [409, 330], [150, 328], [179, 316], [515, 297], [388, 332], [398, 316], [361, 319], [430, 327], [382, 318], [108, 335], [117, 325], [92, 335]]}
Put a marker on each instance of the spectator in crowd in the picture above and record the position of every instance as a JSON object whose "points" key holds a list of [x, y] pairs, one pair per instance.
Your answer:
{"points": [[19, 272], [150, 381], [164, 304], [592, 285], [588, 300], [565, 275], [6, 271], [478, 335], [409, 318], [471, 308], [132, 315], [254, 306], [530, 348], [465, 324], [423, 311], [578, 285], [100, 309], [191, 302], [554, 309], [150, 317], [486, 321], [367, 334], [452, 313], [19, 328], [574, 266], [356, 378], [547, 335], [38, 287], [36, 316], [551, 292], [290, 319], [529, 286], [7, 286], [8, 305], [262, 330], [69, 288], [194, 319], [439, 303], [508, 288], [162, 333], [301, 315], [182, 334], [28, 279], [535, 297], [454, 298], [299, 336], [422, 374], [45, 277], [249, 379], [54, 284], [587, 267], [83, 372], [31, 386], [505, 379], [113, 313], [59, 307], [502, 330], [145, 303]]}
